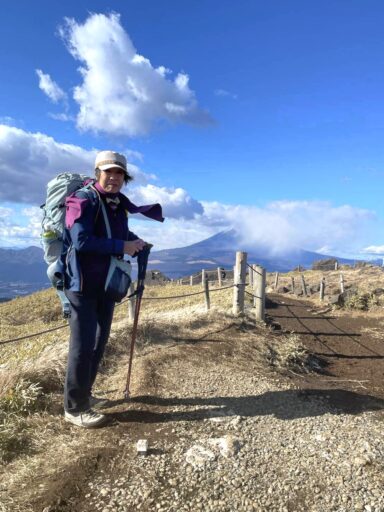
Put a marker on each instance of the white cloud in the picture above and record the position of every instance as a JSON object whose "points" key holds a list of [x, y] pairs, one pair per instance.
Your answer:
{"points": [[121, 91], [20, 229], [29, 160], [276, 228], [373, 249], [172, 233], [50, 87], [176, 202], [62, 117], [225, 94], [284, 225]]}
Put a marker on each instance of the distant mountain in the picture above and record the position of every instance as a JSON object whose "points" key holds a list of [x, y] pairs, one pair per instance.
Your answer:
{"points": [[23, 271], [220, 249]]}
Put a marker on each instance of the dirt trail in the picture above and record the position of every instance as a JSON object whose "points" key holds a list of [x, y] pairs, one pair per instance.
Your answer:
{"points": [[351, 345], [179, 388]]}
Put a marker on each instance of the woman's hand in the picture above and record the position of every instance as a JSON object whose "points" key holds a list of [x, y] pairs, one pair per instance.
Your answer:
{"points": [[133, 246]]}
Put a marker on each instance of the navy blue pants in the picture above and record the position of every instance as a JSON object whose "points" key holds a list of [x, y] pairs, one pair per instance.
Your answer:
{"points": [[90, 323]]}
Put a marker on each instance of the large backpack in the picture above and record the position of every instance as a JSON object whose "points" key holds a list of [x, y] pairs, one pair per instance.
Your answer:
{"points": [[58, 189], [52, 224]]}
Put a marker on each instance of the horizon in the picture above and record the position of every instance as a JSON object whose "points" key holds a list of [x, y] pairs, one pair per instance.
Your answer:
{"points": [[266, 119], [368, 258]]}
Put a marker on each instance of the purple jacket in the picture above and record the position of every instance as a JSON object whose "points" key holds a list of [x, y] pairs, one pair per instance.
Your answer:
{"points": [[86, 248]]}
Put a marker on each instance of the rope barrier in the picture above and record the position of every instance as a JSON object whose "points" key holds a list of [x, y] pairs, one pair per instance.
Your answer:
{"points": [[222, 288], [173, 296], [253, 270], [188, 294], [252, 295], [3, 342], [33, 335]]}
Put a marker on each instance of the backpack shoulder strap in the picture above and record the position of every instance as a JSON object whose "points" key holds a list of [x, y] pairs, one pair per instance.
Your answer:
{"points": [[91, 193]]}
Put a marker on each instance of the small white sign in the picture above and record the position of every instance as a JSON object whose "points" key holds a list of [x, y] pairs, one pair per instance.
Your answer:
{"points": [[142, 447]]}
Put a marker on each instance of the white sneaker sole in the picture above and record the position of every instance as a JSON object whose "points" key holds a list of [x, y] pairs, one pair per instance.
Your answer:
{"points": [[96, 424]]}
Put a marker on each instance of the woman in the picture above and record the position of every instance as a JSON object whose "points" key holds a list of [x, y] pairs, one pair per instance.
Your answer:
{"points": [[88, 251]]}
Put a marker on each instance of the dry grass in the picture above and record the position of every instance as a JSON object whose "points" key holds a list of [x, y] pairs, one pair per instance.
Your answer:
{"points": [[288, 353], [32, 370], [37, 365], [361, 284]]}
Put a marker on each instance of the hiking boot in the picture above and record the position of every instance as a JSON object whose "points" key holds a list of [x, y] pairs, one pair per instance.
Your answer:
{"points": [[86, 419], [98, 403]]}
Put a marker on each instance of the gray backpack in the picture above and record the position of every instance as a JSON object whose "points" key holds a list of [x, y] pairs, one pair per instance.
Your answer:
{"points": [[53, 224]]}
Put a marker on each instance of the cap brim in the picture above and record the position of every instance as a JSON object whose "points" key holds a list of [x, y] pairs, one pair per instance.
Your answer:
{"points": [[111, 166]]}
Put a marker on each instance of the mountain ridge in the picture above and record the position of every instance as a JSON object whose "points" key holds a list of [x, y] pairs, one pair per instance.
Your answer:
{"points": [[23, 271]]}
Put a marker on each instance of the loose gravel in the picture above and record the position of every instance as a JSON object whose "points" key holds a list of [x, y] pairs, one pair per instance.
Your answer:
{"points": [[234, 441]]}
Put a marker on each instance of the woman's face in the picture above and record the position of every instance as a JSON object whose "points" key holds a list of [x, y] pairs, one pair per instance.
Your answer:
{"points": [[112, 179]]}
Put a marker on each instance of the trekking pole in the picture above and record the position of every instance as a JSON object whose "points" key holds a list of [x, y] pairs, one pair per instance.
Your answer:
{"points": [[142, 262]]}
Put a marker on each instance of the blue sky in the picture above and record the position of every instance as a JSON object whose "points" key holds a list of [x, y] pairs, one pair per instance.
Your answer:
{"points": [[262, 116]]}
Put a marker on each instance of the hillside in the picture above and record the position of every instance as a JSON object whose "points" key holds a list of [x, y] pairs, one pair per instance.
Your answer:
{"points": [[22, 271], [284, 416]]}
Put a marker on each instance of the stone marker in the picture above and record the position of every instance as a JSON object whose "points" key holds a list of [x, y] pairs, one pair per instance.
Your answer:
{"points": [[142, 447]]}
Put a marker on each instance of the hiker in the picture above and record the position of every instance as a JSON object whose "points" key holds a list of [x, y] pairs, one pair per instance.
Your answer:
{"points": [[87, 253]]}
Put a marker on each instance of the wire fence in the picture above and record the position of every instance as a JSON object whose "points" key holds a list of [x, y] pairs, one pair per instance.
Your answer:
{"points": [[21, 338]]}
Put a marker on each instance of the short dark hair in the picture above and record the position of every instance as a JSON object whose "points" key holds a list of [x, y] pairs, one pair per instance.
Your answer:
{"points": [[127, 177]]}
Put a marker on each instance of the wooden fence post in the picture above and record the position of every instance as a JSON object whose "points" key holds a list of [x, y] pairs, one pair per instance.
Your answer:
{"points": [[206, 290], [203, 278], [259, 292], [336, 265], [239, 277], [305, 293], [255, 271], [131, 303], [341, 283], [322, 289], [293, 284], [219, 276], [191, 281], [250, 273], [276, 280]]}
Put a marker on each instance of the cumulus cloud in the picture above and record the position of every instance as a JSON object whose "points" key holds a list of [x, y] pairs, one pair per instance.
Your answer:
{"points": [[373, 249], [285, 225], [176, 202], [122, 92], [19, 229], [173, 233], [279, 227], [29, 160], [50, 87]]}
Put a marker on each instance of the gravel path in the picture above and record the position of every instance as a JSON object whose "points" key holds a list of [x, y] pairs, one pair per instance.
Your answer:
{"points": [[223, 438]]}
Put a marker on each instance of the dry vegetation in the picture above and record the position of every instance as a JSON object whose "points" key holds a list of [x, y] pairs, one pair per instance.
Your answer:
{"points": [[32, 370], [364, 286]]}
